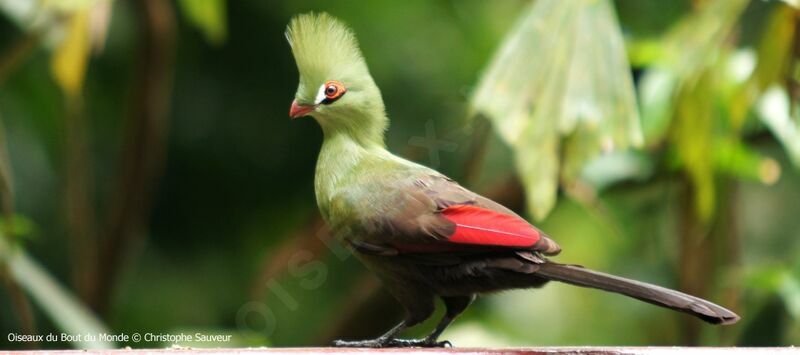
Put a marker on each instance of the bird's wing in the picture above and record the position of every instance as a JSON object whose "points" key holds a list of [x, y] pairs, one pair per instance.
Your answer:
{"points": [[432, 213]]}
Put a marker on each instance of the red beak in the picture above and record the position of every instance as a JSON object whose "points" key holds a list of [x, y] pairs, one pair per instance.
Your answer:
{"points": [[300, 110]]}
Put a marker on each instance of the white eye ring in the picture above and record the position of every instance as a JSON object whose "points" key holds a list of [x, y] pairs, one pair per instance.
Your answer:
{"points": [[320, 95]]}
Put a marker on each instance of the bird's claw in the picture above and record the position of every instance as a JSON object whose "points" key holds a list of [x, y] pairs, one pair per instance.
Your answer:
{"points": [[392, 343]]}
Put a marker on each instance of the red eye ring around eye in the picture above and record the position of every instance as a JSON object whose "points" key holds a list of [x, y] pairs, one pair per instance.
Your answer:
{"points": [[334, 90]]}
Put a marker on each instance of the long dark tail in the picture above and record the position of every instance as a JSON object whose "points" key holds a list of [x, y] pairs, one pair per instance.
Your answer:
{"points": [[660, 296]]}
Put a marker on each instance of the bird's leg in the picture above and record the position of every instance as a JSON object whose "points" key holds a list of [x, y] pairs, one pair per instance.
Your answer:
{"points": [[455, 305], [419, 304], [386, 340]]}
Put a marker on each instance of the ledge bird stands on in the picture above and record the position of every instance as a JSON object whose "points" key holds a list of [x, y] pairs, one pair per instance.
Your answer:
{"points": [[423, 234]]}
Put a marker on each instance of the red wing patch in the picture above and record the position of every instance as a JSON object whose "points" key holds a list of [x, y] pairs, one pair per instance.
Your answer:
{"points": [[479, 226]]}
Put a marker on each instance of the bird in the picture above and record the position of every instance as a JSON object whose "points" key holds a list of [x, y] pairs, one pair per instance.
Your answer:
{"points": [[423, 235]]}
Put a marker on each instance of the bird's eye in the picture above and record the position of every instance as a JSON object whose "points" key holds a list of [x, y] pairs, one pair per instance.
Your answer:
{"points": [[333, 91]]}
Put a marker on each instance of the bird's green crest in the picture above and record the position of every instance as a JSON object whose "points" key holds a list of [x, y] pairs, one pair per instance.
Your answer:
{"points": [[324, 49]]}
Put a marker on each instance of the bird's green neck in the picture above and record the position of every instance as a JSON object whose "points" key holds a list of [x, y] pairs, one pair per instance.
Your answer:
{"points": [[367, 136], [352, 133], [339, 158]]}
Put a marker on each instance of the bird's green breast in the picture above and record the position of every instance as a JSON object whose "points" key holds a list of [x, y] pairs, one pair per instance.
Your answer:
{"points": [[353, 182]]}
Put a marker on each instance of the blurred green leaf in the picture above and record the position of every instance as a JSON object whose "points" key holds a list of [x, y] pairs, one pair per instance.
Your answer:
{"points": [[738, 89], [690, 47], [795, 3], [53, 19], [781, 281], [656, 90], [766, 278], [581, 86], [692, 136], [790, 292], [18, 227], [69, 315], [537, 163], [773, 62], [645, 52], [70, 59], [18, 11], [774, 110], [209, 16], [774, 51], [84, 24], [614, 167], [736, 159]]}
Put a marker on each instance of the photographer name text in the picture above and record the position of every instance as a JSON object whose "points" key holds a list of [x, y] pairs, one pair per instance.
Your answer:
{"points": [[121, 337]]}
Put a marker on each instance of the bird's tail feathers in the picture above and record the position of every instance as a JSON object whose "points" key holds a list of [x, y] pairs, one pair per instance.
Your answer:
{"points": [[660, 296]]}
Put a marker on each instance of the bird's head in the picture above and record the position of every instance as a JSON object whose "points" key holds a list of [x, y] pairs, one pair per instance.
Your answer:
{"points": [[335, 85]]}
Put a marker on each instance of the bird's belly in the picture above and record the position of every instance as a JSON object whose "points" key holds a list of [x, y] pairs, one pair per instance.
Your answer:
{"points": [[456, 281], [460, 279]]}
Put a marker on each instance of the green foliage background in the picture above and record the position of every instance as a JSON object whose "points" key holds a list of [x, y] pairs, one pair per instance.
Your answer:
{"points": [[167, 191]]}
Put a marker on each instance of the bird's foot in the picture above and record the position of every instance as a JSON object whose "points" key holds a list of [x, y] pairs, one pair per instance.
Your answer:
{"points": [[392, 343]]}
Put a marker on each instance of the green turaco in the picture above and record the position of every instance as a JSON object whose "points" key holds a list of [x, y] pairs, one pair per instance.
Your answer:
{"points": [[421, 233]]}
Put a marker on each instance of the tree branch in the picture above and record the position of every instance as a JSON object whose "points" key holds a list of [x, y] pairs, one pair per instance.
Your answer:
{"points": [[144, 147]]}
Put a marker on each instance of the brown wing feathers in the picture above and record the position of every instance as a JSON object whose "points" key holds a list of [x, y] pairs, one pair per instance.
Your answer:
{"points": [[455, 215]]}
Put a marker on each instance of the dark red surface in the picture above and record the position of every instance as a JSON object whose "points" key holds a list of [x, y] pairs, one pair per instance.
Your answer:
{"points": [[534, 351]]}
